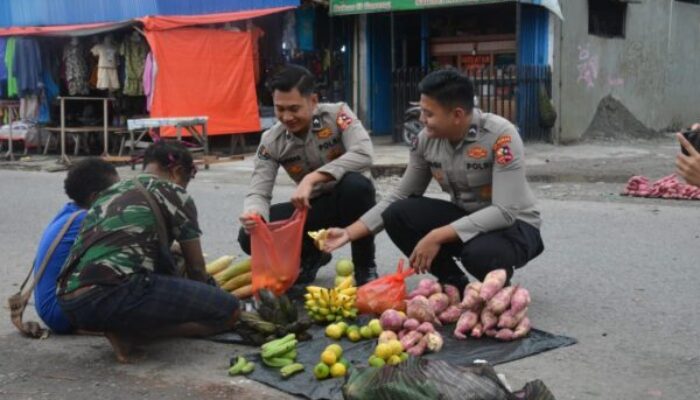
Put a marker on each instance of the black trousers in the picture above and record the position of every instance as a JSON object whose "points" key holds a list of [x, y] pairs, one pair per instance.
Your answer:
{"points": [[352, 196], [408, 221]]}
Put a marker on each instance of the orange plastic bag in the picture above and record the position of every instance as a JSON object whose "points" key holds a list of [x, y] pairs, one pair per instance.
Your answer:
{"points": [[384, 293], [276, 253]]}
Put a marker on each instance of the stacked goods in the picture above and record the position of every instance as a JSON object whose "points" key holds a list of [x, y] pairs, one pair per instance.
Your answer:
{"points": [[275, 317], [343, 269], [444, 300], [492, 310], [240, 366], [354, 333], [332, 305], [235, 278], [282, 354], [415, 330], [331, 363], [389, 351]]}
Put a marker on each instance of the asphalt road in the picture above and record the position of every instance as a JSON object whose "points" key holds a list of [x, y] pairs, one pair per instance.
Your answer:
{"points": [[619, 276]]}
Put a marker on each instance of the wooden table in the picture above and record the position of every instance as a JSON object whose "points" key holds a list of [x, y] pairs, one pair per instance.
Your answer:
{"points": [[190, 124], [78, 130], [105, 126], [11, 108]]}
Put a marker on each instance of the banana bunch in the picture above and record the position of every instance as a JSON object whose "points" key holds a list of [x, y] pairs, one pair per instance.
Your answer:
{"points": [[319, 237], [275, 317], [332, 305], [279, 353]]}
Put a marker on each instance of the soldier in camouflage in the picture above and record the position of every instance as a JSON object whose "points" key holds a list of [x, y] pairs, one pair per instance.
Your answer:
{"points": [[491, 221], [327, 152], [114, 280]]}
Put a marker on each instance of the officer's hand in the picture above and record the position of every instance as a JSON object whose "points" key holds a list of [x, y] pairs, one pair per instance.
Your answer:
{"points": [[248, 221], [423, 254], [335, 239], [688, 166], [301, 196]]}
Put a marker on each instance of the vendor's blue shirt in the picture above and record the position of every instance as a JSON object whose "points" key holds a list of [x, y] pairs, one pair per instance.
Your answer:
{"points": [[45, 292]]}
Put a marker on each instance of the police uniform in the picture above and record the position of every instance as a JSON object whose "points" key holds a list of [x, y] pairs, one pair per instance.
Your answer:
{"points": [[491, 207], [337, 144]]}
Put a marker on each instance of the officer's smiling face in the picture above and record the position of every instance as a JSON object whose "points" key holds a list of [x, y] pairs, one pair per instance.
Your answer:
{"points": [[293, 110], [442, 121]]}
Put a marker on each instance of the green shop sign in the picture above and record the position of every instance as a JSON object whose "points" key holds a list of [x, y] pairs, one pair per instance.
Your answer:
{"points": [[347, 7]]}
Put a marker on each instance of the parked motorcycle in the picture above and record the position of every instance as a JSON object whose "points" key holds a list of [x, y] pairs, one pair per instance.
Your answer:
{"points": [[412, 124]]}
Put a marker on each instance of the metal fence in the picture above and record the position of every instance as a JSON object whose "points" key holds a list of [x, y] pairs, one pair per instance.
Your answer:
{"points": [[511, 91]]}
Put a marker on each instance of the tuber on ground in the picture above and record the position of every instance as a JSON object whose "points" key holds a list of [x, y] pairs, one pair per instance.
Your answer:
{"points": [[392, 320], [434, 341], [418, 349], [520, 300], [420, 309], [510, 320], [491, 332], [465, 323], [478, 330], [452, 293], [522, 329], [411, 324], [403, 333], [505, 335], [493, 282], [425, 288], [488, 320], [500, 301], [425, 328], [451, 315], [439, 302], [471, 298], [411, 339]]}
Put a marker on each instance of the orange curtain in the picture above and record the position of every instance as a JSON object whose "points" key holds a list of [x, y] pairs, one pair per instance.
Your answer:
{"points": [[205, 72]]}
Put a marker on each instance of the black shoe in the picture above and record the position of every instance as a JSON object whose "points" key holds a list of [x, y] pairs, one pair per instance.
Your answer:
{"points": [[365, 275], [310, 267]]}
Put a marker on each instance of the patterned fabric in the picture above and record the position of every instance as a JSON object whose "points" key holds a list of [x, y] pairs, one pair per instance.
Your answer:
{"points": [[76, 69], [119, 236], [134, 52]]}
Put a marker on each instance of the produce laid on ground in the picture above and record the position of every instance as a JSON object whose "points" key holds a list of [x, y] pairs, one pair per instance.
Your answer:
{"points": [[389, 351], [240, 366], [415, 329], [331, 363], [332, 305], [234, 278], [489, 309], [273, 317], [354, 333], [282, 354]]}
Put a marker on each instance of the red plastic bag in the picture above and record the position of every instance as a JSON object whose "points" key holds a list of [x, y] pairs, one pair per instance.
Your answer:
{"points": [[384, 293], [276, 253]]}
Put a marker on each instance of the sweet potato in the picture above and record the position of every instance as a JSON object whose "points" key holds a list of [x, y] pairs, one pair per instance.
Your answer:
{"points": [[411, 324], [500, 301], [452, 293], [510, 320], [420, 309], [504, 334], [439, 302], [478, 330], [493, 282], [491, 332], [403, 333], [522, 329], [392, 320], [434, 341], [419, 348], [471, 299], [488, 320], [425, 288], [411, 339], [520, 300], [425, 328], [451, 315], [465, 323]]}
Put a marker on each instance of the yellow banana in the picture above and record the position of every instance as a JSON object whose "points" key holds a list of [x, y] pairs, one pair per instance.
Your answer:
{"points": [[346, 283]]}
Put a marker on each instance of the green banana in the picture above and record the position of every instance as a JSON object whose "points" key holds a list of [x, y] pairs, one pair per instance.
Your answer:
{"points": [[268, 299], [292, 354], [276, 362], [277, 351], [238, 366], [257, 323], [289, 309], [291, 369], [279, 341], [248, 368]]}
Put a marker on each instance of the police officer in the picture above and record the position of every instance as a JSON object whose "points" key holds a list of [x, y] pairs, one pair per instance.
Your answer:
{"points": [[491, 221], [327, 152]]}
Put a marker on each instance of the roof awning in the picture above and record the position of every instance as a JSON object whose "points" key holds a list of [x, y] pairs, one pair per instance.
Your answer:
{"points": [[348, 7], [151, 23]]}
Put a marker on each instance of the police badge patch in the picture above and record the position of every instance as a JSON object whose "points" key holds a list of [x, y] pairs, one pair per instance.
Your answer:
{"points": [[343, 121], [502, 152], [324, 133], [263, 154]]}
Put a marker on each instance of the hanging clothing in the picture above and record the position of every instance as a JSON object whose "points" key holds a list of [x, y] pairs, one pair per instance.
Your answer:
{"points": [[28, 67], [3, 68], [149, 79], [29, 108], [9, 64], [289, 37], [48, 94], [256, 34], [305, 21], [76, 69], [134, 52], [107, 77]]}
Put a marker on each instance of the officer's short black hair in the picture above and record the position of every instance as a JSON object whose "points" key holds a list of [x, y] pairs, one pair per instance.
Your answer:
{"points": [[87, 177], [292, 77], [169, 154], [449, 87]]}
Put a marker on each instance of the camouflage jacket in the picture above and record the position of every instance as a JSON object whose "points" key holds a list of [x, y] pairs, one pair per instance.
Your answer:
{"points": [[119, 234]]}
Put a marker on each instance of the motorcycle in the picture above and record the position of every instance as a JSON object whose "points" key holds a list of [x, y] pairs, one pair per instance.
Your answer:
{"points": [[412, 124]]}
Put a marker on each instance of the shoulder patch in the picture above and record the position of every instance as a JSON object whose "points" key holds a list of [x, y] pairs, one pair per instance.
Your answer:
{"points": [[263, 153], [343, 121], [414, 143], [502, 152]]}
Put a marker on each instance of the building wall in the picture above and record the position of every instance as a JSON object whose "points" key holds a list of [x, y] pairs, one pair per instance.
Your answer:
{"points": [[654, 71]]}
